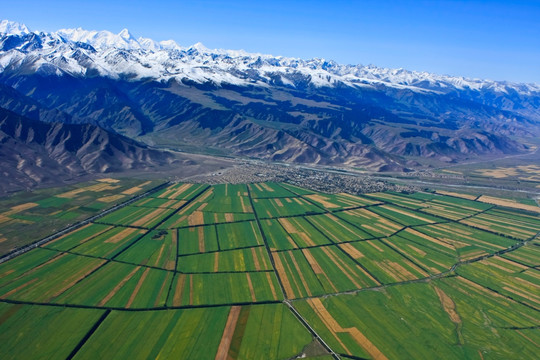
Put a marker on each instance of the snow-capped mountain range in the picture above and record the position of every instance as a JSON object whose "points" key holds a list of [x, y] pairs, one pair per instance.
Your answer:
{"points": [[263, 106], [80, 52]]}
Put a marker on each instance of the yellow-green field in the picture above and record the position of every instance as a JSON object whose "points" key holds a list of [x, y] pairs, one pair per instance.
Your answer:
{"points": [[271, 271]]}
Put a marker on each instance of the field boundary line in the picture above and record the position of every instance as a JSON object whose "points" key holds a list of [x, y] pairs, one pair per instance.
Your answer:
{"points": [[88, 335]]}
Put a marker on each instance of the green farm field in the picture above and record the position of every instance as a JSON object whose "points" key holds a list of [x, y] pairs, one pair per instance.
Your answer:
{"points": [[29, 216], [269, 271]]}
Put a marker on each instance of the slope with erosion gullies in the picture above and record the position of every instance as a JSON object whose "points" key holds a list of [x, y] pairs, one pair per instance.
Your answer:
{"points": [[35, 152], [89, 100], [338, 124], [328, 126]]}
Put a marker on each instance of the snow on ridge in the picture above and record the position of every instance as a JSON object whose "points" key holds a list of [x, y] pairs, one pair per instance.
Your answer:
{"points": [[13, 28], [122, 53]]}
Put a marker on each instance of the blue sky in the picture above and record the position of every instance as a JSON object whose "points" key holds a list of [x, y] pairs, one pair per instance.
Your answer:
{"points": [[498, 40]]}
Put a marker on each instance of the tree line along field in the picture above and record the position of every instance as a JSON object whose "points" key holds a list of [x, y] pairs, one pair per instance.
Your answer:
{"points": [[273, 271]]}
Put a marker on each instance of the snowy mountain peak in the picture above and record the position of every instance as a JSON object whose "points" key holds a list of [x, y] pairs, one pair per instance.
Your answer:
{"points": [[200, 48], [13, 28], [169, 45], [125, 34], [119, 55]]}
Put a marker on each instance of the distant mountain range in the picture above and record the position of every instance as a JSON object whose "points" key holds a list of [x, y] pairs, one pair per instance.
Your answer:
{"points": [[236, 103]]}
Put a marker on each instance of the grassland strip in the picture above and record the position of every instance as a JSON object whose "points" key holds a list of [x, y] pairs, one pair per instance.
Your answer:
{"points": [[269, 252], [75, 226]]}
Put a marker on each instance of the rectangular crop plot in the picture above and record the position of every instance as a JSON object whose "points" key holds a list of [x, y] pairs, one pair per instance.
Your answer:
{"points": [[195, 213], [199, 239], [239, 235], [418, 250], [404, 216], [340, 201], [178, 334], [78, 236], [156, 249], [229, 198], [194, 216], [269, 190], [431, 245], [277, 237], [297, 190], [237, 332], [462, 319], [263, 332], [337, 269], [48, 281], [29, 216], [321, 270], [19, 265], [509, 278], [180, 192], [303, 233], [136, 216], [250, 259], [449, 207], [527, 255], [224, 288], [336, 229], [121, 285], [531, 208], [468, 242], [26, 332], [298, 278], [159, 203], [279, 207], [109, 243], [507, 223], [370, 222], [385, 264], [399, 199]]}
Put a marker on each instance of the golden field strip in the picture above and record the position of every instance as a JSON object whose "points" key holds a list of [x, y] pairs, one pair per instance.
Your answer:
{"points": [[233, 253]]}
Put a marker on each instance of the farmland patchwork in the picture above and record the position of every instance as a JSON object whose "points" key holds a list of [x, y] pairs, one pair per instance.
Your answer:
{"points": [[272, 271]]}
